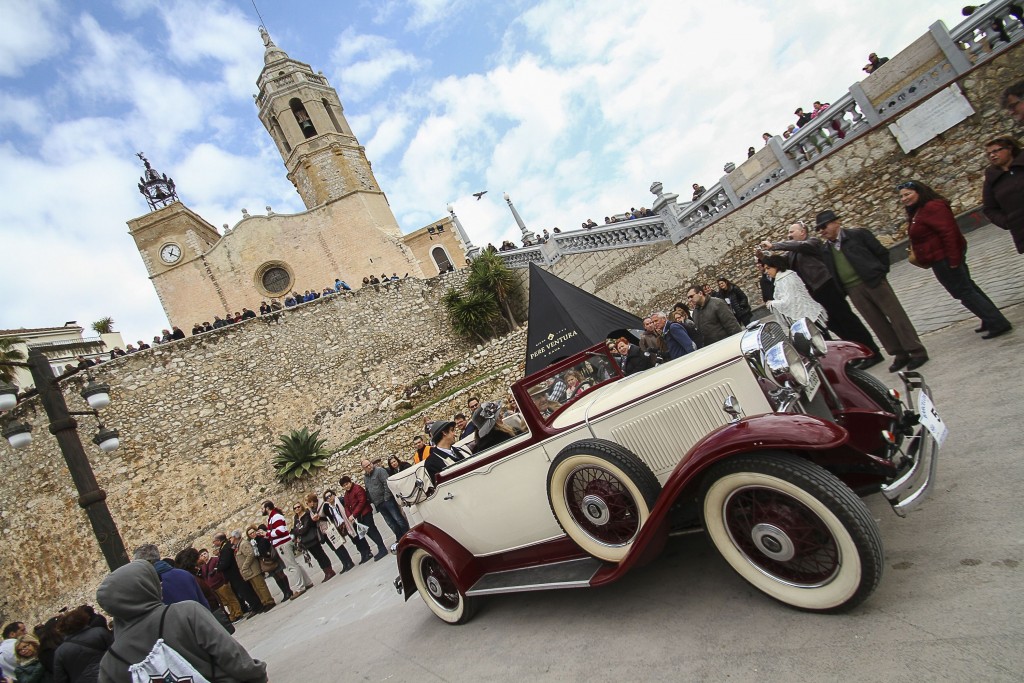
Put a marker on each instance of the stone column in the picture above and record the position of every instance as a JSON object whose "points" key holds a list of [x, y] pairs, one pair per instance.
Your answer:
{"points": [[865, 105], [665, 205], [957, 59]]}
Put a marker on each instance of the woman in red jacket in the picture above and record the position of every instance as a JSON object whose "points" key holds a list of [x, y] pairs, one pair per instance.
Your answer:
{"points": [[357, 505], [939, 244]]}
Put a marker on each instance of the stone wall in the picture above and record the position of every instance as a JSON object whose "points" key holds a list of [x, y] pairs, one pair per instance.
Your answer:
{"points": [[198, 417]]}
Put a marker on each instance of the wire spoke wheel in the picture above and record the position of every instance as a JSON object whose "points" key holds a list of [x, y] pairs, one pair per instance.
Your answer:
{"points": [[782, 536], [793, 531], [438, 589], [601, 496], [600, 503]]}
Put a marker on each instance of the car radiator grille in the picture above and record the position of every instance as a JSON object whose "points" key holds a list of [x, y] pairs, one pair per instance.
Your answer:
{"points": [[661, 437], [771, 334]]}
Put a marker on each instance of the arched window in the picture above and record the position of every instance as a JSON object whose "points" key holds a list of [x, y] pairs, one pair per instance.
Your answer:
{"points": [[279, 134], [441, 259], [302, 118], [330, 113]]}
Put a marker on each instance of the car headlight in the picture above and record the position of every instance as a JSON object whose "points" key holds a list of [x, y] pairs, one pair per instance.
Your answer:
{"points": [[808, 339], [785, 365]]}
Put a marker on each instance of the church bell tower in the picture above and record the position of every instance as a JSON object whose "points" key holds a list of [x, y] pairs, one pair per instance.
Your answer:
{"points": [[304, 116]]}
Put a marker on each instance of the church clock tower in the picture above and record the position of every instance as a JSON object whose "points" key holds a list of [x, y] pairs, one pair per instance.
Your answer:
{"points": [[304, 116]]}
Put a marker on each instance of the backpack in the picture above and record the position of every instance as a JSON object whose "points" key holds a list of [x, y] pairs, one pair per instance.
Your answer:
{"points": [[163, 663]]}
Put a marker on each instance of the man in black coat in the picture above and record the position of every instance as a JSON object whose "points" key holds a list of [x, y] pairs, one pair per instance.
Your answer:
{"points": [[859, 263], [228, 566], [807, 259]]}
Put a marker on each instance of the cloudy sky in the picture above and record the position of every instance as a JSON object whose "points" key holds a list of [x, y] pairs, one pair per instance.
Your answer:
{"points": [[573, 108]]}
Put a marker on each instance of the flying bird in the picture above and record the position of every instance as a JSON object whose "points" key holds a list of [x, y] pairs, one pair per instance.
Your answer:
{"points": [[478, 195]]}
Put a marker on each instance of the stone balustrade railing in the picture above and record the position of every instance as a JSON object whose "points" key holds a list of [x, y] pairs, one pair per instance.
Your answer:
{"points": [[615, 236], [930, 63]]}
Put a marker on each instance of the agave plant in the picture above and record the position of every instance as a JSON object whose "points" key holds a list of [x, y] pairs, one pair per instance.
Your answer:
{"points": [[299, 453]]}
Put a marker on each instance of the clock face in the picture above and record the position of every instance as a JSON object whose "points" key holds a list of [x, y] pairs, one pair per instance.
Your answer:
{"points": [[170, 253]]}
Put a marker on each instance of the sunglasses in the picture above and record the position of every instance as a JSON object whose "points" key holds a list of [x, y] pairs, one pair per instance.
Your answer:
{"points": [[909, 185]]}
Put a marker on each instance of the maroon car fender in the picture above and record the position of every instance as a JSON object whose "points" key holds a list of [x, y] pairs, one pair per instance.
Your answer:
{"points": [[771, 431], [460, 564]]}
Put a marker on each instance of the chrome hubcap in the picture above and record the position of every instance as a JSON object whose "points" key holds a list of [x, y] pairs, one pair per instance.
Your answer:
{"points": [[434, 586], [596, 510], [773, 542]]}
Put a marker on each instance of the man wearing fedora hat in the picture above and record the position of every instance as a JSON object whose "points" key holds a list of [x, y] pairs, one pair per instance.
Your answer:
{"points": [[859, 263], [443, 434]]}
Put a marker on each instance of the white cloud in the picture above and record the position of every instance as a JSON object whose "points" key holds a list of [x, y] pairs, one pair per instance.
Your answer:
{"points": [[364, 62], [31, 34], [199, 31], [26, 114]]}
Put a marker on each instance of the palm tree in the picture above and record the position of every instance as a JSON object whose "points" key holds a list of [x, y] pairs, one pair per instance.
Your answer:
{"points": [[488, 273], [103, 325], [471, 314], [11, 355], [299, 453]]}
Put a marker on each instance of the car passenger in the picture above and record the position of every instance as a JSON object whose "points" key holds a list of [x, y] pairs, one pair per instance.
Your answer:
{"points": [[490, 428], [443, 433]]}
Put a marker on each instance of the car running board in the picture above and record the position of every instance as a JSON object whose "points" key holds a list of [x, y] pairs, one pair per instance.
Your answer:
{"points": [[568, 574]]}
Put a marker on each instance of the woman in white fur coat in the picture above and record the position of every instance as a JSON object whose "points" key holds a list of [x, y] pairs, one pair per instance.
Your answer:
{"points": [[791, 298]]}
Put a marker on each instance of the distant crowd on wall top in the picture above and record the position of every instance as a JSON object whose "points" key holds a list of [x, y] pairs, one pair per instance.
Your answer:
{"points": [[803, 117], [994, 28], [340, 288]]}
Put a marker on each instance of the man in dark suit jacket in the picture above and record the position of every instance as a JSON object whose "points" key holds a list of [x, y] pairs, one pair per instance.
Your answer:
{"points": [[859, 263]]}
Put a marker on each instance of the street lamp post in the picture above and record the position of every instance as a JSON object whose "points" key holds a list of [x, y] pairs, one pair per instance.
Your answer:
{"points": [[63, 426]]}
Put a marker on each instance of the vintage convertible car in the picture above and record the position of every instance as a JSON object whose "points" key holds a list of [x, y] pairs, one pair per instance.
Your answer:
{"points": [[764, 440]]}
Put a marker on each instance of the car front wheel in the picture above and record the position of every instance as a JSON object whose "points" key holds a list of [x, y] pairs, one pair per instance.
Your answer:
{"points": [[437, 588], [601, 494], [793, 531]]}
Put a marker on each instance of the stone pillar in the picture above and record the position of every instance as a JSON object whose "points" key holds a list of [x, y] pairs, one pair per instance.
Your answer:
{"points": [[528, 236], [865, 105], [957, 59], [471, 251], [729, 191], [665, 206], [788, 165]]}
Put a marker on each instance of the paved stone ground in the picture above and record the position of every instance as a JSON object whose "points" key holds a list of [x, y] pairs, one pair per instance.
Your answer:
{"points": [[995, 265], [947, 608]]}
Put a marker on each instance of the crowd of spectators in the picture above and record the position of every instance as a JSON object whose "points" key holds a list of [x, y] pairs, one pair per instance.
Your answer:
{"points": [[216, 586], [66, 647], [340, 287]]}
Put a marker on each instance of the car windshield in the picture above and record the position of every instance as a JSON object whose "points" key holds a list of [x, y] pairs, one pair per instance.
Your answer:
{"points": [[562, 386]]}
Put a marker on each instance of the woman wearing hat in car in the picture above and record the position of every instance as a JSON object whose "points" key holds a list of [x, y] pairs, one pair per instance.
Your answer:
{"points": [[490, 429]]}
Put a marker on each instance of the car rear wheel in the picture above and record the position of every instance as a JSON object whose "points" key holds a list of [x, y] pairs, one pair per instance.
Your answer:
{"points": [[437, 588], [601, 495], [793, 531]]}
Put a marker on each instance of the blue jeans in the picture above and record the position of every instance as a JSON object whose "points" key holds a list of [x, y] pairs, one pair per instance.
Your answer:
{"points": [[393, 516], [960, 286]]}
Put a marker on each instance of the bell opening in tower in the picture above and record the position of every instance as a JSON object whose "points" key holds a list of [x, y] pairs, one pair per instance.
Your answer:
{"points": [[302, 118]]}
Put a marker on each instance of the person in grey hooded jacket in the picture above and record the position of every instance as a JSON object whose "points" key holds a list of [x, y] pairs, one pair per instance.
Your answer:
{"points": [[131, 594]]}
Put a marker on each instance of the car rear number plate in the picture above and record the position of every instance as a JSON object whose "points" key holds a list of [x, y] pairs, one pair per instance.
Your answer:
{"points": [[931, 420], [813, 384]]}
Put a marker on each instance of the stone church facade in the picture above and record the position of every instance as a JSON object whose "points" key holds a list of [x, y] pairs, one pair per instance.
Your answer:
{"points": [[348, 230]]}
